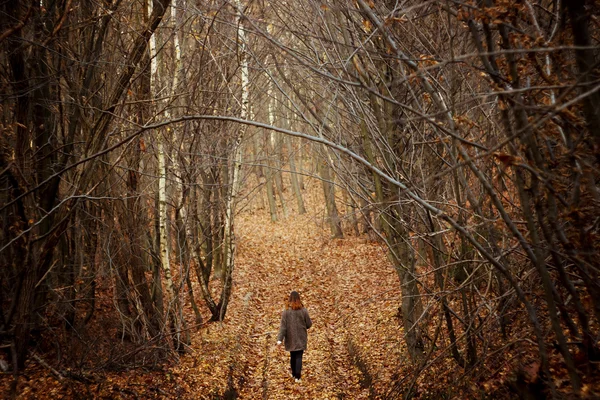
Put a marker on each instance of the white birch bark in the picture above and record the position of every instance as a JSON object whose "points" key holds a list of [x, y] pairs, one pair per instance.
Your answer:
{"points": [[176, 316], [172, 300], [163, 251], [153, 64], [162, 176], [162, 212], [229, 241]]}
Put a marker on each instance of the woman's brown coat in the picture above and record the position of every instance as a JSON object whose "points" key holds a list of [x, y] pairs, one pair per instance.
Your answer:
{"points": [[292, 331]]}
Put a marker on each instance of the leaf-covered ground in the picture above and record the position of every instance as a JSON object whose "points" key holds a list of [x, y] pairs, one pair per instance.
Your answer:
{"points": [[356, 348], [355, 345], [351, 293]]}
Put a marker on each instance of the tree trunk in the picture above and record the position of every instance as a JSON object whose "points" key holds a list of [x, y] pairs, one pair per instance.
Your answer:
{"points": [[587, 66], [274, 146], [269, 182], [292, 161], [333, 218], [232, 193]]}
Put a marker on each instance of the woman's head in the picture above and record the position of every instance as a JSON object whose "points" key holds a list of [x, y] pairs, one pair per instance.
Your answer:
{"points": [[294, 301]]}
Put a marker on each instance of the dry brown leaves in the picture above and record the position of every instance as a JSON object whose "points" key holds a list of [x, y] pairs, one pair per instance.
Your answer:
{"points": [[352, 295]]}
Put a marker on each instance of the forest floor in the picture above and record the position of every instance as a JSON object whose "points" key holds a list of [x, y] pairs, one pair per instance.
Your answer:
{"points": [[356, 348], [355, 345], [351, 293]]}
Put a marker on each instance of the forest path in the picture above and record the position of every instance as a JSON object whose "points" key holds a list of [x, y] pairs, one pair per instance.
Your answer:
{"points": [[350, 291]]}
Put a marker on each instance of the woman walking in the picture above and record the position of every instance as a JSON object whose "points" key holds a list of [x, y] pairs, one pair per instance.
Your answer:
{"points": [[294, 323]]}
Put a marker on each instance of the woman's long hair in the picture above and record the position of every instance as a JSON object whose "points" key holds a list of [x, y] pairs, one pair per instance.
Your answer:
{"points": [[294, 301]]}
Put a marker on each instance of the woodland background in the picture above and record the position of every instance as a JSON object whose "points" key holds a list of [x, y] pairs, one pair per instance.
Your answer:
{"points": [[426, 172]]}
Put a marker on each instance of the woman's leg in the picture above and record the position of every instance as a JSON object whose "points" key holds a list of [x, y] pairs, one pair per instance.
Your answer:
{"points": [[296, 361], [293, 363]]}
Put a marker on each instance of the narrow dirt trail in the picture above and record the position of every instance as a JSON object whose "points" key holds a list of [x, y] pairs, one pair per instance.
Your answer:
{"points": [[294, 259], [350, 292]]}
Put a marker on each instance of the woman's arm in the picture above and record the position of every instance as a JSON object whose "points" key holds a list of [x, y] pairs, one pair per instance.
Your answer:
{"points": [[307, 319], [282, 328]]}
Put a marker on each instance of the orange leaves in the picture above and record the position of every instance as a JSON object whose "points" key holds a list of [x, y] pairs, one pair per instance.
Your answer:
{"points": [[506, 159], [426, 98], [398, 20], [531, 372], [367, 25], [427, 60], [463, 14], [501, 12], [502, 104], [341, 282], [570, 116]]}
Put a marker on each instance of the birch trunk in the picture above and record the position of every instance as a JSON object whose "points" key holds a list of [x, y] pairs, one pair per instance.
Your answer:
{"points": [[274, 145], [229, 234], [163, 225]]}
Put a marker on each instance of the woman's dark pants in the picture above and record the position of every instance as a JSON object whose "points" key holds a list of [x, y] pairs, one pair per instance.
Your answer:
{"points": [[296, 363]]}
